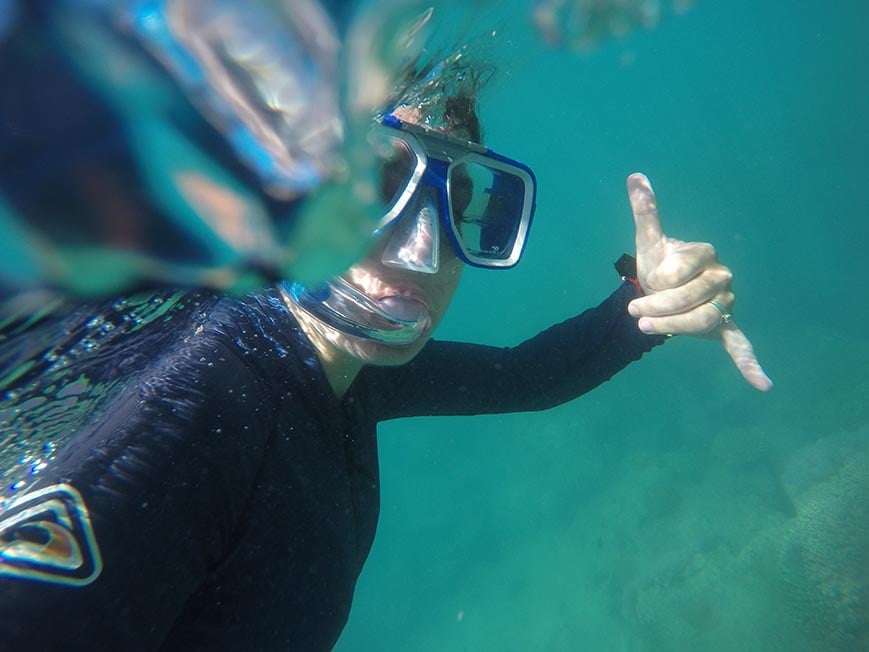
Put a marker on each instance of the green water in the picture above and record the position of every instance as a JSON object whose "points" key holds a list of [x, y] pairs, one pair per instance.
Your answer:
{"points": [[674, 508]]}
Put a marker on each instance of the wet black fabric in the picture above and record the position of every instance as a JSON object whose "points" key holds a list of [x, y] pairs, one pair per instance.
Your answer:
{"points": [[234, 498]]}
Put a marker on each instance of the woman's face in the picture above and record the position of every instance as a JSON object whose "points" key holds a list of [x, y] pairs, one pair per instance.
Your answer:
{"points": [[430, 292]]}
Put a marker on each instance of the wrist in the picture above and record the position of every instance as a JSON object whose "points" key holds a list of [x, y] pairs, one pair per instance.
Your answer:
{"points": [[626, 266]]}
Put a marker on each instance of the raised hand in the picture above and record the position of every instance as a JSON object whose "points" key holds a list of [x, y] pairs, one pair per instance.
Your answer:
{"points": [[687, 291]]}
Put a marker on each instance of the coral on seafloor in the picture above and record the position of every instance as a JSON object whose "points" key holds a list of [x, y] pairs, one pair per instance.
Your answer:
{"points": [[798, 582], [825, 559]]}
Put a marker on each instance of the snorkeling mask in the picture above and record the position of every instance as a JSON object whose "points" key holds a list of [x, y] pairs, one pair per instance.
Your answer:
{"points": [[430, 182]]}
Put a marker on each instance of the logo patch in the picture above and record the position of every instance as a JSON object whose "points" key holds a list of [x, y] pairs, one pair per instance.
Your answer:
{"points": [[46, 536]]}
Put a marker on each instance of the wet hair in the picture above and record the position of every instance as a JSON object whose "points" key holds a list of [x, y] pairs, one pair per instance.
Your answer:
{"points": [[445, 90], [460, 116]]}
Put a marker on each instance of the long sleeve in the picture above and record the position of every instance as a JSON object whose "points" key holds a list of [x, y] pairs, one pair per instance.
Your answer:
{"points": [[207, 494], [105, 550], [558, 365]]}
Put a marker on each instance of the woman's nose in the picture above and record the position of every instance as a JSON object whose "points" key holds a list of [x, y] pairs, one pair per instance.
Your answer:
{"points": [[414, 241]]}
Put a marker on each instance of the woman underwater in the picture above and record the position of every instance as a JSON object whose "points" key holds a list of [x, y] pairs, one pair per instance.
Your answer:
{"points": [[223, 494]]}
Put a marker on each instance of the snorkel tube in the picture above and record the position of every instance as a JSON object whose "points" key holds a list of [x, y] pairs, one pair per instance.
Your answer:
{"points": [[393, 320]]}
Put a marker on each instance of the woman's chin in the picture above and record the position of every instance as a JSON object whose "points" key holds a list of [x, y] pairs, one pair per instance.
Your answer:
{"points": [[388, 355]]}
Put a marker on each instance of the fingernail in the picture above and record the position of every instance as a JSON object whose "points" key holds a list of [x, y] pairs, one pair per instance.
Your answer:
{"points": [[645, 325], [633, 311]]}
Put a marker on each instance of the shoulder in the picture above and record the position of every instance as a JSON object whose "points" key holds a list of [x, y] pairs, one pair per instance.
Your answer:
{"points": [[210, 353], [180, 364]]}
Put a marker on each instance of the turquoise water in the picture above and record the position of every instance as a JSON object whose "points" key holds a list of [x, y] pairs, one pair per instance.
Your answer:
{"points": [[674, 508]]}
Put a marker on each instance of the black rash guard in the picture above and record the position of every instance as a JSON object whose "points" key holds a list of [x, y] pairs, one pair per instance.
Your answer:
{"points": [[220, 497]]}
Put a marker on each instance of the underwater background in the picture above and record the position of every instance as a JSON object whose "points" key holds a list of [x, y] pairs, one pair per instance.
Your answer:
{"points": [[673, 508]]}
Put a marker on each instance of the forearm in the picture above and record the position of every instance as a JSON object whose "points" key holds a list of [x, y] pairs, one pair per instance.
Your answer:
{"points": [[573, 357]]}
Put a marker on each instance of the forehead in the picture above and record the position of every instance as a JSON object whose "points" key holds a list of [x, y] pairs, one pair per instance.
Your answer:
{"points": [[412, 115], [438, 144], [409, 114]]}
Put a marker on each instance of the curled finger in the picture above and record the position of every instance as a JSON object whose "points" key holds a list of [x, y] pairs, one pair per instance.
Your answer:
{"points": [[704, 288], [682, 263], [701, 320]]}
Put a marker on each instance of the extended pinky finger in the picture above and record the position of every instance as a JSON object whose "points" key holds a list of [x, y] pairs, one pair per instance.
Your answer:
{"points": [[740, 350], [735, 342]]}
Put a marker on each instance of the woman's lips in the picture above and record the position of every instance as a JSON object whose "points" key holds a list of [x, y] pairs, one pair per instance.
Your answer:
{"points": [[402, 291], [403, 307]]}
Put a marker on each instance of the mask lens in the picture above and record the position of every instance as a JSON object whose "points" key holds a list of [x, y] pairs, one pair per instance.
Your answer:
{"points": [[397, 165], [486, 207], [414, 241]]}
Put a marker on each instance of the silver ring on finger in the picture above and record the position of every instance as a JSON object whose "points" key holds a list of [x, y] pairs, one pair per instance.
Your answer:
{"points": [[726, 317]]}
